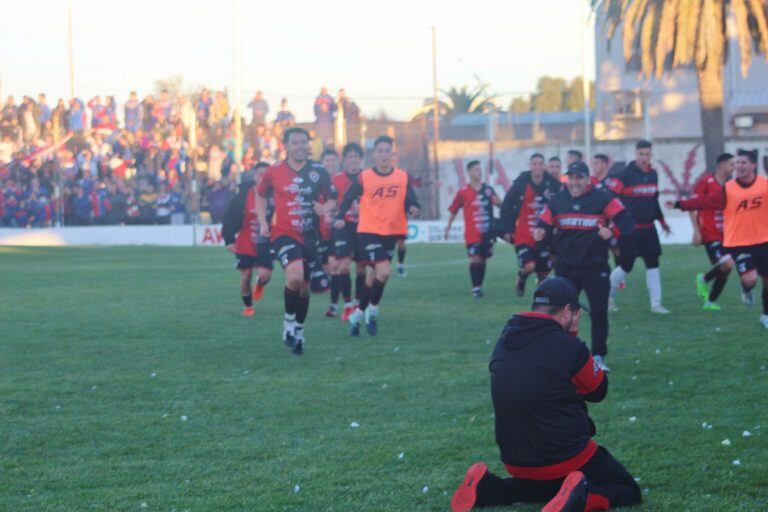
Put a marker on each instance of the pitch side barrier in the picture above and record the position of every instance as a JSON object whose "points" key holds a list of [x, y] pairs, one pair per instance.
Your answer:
{"points": [[210, 235]]}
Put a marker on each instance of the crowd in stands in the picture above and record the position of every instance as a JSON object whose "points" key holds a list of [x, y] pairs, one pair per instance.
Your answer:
{"points": [[157, 160]]}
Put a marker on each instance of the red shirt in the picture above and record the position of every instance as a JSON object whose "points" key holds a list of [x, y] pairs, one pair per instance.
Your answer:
{"points": [[342, 181], [710, 221], [294, 194], [478, 211], [248, 237]]}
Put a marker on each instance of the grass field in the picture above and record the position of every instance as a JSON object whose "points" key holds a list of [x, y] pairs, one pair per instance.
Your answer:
{"points": [[129, 381]]}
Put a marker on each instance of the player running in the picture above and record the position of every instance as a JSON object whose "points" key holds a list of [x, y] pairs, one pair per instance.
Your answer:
{"points": [[744, 203], [345, 239], [519, 216], [330, 162], [241, 231], [576, 219], [601, 164], [298, 186], [477, 199], [385, 197], [555, 168], [709, 228], [638, 188]]}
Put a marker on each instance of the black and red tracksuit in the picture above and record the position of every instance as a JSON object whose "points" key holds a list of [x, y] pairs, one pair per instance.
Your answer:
{"points": [[541, 379], [523, 204], [572, 224], [638, 189]]}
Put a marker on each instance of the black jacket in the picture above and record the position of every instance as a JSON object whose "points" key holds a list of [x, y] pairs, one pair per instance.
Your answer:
{"points": [[639, 191], [540, 379]]}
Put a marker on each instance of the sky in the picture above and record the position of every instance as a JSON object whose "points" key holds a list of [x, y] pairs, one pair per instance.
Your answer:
{"points": [[379, 52]]}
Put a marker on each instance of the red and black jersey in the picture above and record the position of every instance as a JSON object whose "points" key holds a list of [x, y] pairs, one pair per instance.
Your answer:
{"points": [[295, 193], [478, 212], [241, 225], [574, 222], [341, 182], [639, 191], [710, 221], [541, 377], [523, 204]]}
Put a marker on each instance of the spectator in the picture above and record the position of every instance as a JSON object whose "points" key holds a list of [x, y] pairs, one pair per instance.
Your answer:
{"points": [[219, 110], [81, 207], [76, 117], [259, 108], [132, 113], [325, 108], [285, 118], [203, 109]]}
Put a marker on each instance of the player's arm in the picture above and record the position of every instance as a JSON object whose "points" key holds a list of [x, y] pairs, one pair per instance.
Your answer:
{"points": [[233, 219], [621, 219], [412, 205], [327, 194], [260, 203], [456, 205], [544, 226], [660, 216], [590, 381], [510, 207], [713, 201], [352, 194]]}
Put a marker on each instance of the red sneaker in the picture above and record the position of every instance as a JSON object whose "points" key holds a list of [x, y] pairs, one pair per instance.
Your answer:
{"points": [[248, 311], [466, 495], [347, 313], [258, 293], [572, 496]]}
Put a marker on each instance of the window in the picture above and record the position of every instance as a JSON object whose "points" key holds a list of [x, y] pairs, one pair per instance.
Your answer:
{"points": [[628, 104]]}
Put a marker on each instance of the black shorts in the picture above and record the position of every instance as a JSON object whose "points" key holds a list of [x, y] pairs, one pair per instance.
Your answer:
{"points": [[324, 248], [345, 242], [715, 251], [287, 250], [262, 259], [751, 257], [482, 249], [643, 243], [376, 248], [526, 254]]}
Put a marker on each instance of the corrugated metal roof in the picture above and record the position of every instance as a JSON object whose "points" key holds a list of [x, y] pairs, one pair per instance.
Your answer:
{"points": [[507, 118], [749, 101]]}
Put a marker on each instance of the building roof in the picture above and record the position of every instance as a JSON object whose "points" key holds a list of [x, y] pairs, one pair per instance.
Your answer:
{"points": [[749, 101], [509, 118]]}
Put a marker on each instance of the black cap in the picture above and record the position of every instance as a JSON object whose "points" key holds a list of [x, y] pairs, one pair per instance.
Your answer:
{"points": [[578, 168], [558, 292]]}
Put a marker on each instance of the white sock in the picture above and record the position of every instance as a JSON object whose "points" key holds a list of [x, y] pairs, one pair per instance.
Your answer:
{"points": [[617, 276], [371, 312], [653, 281], [349, 304], [290, 318]]}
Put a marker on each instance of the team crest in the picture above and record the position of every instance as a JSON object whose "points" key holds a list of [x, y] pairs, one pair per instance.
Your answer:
{"points": [[314, 176]]}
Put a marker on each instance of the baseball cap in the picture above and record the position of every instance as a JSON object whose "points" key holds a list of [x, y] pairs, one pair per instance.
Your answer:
{"points": [[578, 168], [557, 291]]}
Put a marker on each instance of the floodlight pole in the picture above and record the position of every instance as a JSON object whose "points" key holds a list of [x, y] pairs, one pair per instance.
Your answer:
{"points": [[237, 87], [584, 32], [70, 51], [435, 130]]}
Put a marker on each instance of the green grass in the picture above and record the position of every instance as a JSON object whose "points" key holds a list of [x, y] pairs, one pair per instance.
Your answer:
{"points": [[102, 350]]}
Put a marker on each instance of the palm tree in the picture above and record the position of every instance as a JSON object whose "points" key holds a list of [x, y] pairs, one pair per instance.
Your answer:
{"points": [[659, 35], [458, 101]]}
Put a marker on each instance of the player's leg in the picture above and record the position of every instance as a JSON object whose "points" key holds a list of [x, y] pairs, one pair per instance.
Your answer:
{"points": [[481, 489], [717, 275], [609, 484], [543, 265], [294, 284], [628, 252], [344, 283], [476, 269], [747, 269], [597, 286], [761, 257], [333, 270], [264, 271], [401, 248], [245, 290], [526, 261]]}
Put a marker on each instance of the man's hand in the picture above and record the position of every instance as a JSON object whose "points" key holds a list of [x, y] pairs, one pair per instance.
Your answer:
{"points": [[605, 233], [669, 205], [339, 224], [231, 248], [539, 234], [666, 229], [509, 238], [414, 211], [319, 208], [447, 232], [264, 230], [696, 238]]}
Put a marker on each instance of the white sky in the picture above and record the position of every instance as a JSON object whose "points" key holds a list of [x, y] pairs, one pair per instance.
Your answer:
{"points": [[379, 51]]}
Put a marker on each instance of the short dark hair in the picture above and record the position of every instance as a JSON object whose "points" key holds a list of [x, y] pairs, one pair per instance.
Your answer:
{"points": [[294, 129], [384, 139], [750, 154], [547, 309], [472, 163], [576, 153], [352, 147], [261, 165], [555, 159], [536, 155], [643, 144], [329, 152], [603, 158], [724, 157]]}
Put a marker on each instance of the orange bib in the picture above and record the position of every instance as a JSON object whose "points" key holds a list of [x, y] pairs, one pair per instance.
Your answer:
{"points": [[745, 217], [382, 203]]}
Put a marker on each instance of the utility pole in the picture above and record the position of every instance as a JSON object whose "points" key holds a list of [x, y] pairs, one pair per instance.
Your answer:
{"points": [[585, 32], [237, 87], [435, 131], [69, 51]]}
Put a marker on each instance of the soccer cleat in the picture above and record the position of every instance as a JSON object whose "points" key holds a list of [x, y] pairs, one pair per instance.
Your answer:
{"points": [[701, 287], [477, 293], [347, 313], [248, 311], [354, 331], [572, 496], [258, 293], [370, 326], [764, 320], [401, 270], [600, 362], [331, 313], [747, 298], [289, 334], [711, 306], [465, 497], [612, 305], [298, 348], [355, 319], [660, 310], [520, 286]]}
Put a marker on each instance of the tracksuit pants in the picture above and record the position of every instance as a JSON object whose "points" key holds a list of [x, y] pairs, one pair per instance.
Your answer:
{"points": [[596, 283]]}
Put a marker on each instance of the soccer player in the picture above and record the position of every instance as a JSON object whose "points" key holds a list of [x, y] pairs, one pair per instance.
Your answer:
{"points": [[401, 241], [386, 197], [577, 221], [709, 226], [744, 203], [477, 199], [298, 187], [345, 239], [519, 216], [329, 159], [241, 231], [542, 377], [638, 188], [600, 180], [555, 168]]}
